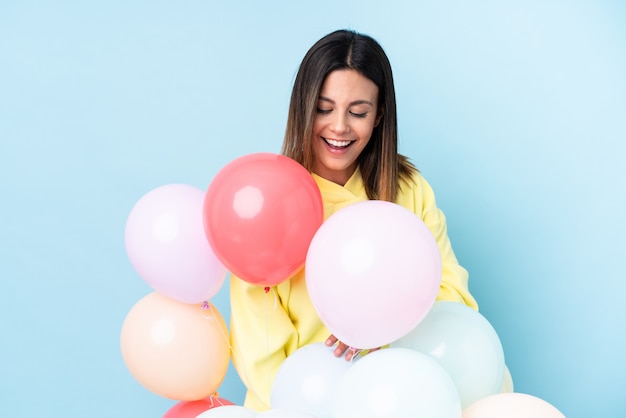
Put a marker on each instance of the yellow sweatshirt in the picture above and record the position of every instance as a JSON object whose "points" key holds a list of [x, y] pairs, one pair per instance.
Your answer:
{"points": [[266, 327]]}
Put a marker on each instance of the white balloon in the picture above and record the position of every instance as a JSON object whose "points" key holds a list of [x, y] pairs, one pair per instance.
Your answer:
{"points": [[396, 383], [284, 413], [307, 380], [229, 411], [465, 344], [511, 405]]}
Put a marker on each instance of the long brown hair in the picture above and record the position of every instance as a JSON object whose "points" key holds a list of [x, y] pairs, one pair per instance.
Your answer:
{"points": [[381, 166]]}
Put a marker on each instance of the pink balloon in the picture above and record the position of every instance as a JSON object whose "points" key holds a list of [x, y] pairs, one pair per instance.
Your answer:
{"points": [[373, 272], [191, 409], [166, 244], [260, 214], [511, 405]]}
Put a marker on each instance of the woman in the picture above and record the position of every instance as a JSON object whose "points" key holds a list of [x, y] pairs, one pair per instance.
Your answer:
{"points": [[341, 127]]}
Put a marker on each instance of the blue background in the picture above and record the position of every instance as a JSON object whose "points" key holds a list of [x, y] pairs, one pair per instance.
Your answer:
{"points": [[514, 111]]}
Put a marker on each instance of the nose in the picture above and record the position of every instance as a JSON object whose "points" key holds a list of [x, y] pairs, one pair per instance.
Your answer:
{"points": [[340, 123]]}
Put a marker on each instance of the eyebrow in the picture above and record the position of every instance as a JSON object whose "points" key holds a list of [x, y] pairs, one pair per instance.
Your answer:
{"points": [[354, 103]]}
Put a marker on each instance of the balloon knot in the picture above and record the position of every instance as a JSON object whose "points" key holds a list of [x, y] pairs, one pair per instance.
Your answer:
{"points": [[355, 352], [267, 289], [205, 305], [215, 400]]}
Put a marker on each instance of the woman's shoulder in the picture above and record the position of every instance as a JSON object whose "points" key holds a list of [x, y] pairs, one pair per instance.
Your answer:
{"points": [[407, 171], [414, 186], [412, 178]]}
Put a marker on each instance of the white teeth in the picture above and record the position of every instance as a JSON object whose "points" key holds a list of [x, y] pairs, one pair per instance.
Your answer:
{"points": [[336, 143]]}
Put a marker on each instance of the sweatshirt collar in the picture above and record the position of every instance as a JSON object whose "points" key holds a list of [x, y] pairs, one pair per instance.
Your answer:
{"points": [[335, 195]]}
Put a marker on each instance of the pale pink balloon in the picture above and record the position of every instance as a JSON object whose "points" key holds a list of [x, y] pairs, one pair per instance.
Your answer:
{"points": [[176, 350], [167, 246], [373, 271], [511, 405]]}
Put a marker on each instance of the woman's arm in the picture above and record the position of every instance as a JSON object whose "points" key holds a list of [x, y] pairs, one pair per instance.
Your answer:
{"points": [[454, 278]]}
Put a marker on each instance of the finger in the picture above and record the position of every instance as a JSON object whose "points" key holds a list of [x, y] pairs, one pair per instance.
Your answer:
{"points": [[331, 340], [341, 348]]}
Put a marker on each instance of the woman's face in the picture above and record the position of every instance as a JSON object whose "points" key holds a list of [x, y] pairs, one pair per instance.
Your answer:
{"points": [[346, 116]]}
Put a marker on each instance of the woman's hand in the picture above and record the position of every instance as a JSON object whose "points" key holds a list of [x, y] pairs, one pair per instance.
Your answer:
{"points": [[350, 352]]}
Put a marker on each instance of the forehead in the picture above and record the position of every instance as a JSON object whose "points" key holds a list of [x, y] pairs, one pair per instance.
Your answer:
{"points": [[349, 84]]}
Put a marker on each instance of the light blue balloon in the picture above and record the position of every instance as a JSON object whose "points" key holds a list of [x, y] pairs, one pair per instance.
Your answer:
{"points": [[465, 344], [307, 379], [396, 383]]}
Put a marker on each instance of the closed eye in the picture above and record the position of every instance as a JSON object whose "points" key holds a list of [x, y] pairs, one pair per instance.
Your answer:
{"points": [[323, 111], [359, 115]]}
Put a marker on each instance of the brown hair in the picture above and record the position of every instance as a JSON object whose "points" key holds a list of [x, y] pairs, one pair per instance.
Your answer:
{"points": [[381, 166]]}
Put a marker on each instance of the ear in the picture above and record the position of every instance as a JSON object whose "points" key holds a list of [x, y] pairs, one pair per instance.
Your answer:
{"points": [[379, 117]]}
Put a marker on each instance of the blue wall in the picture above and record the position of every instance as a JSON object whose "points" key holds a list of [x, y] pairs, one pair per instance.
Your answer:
{"points": [[514, 111]]}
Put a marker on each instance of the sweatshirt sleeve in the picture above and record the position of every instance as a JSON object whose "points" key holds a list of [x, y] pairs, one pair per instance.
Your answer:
{"points": [[454, 278], [261, 335]]}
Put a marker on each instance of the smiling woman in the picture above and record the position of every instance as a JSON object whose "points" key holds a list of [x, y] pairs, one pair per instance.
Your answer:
{"points": [[342, 128]]}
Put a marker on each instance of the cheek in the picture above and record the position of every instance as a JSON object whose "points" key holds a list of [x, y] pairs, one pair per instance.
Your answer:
{"points": [[317, 126], [366, 130]]}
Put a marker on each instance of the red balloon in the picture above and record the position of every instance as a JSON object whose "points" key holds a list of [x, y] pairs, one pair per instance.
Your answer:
{"points": [[261, 212], [191, 409]]}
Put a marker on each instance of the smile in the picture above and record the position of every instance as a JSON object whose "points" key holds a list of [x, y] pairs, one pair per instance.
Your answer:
{"points": [[337, 143]]}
